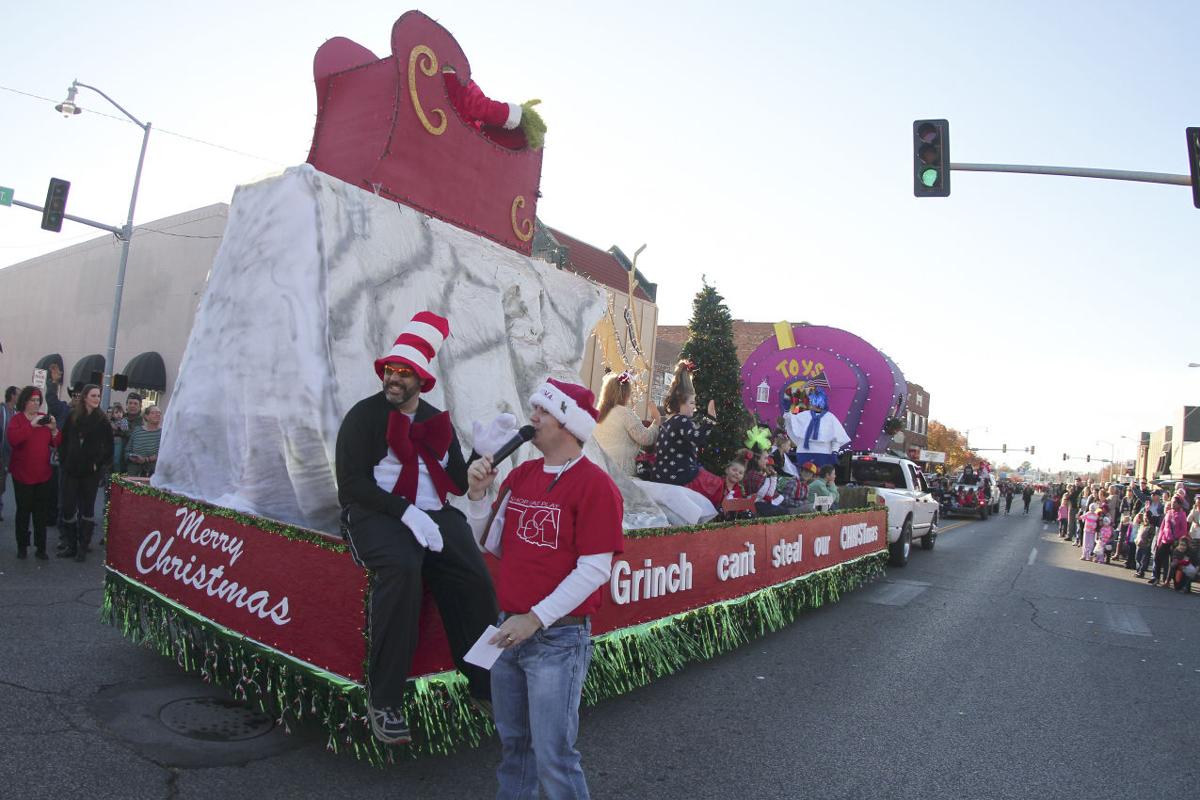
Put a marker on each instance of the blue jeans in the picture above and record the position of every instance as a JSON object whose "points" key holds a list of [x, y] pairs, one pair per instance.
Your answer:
{"points": [[536, 688], [1143, 559]]}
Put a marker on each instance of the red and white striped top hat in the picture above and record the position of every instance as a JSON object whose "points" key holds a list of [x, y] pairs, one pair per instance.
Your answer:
{"points": [[416, 346]]}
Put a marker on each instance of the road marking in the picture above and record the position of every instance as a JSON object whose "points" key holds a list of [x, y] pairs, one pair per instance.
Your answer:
{"points": [[952, 527], [1032, 555], [896, 593], [1126, 619]]}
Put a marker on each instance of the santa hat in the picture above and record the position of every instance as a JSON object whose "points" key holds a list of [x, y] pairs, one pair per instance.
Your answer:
{"points": [[416, 346], [569, 403]]}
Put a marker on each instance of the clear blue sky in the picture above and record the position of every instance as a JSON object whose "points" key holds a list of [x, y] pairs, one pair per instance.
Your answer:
{"points": [[765, 145]]}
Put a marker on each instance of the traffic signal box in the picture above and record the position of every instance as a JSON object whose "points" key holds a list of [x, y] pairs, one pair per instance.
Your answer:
{"points": [[1193, 142], [56, 205], [931, 158]]}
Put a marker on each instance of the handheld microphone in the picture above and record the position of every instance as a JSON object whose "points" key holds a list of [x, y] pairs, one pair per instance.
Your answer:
{"points": [[508, 448]]}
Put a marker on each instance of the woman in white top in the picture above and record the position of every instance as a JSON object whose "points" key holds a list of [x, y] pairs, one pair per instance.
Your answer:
{"points": [[619, 431]]}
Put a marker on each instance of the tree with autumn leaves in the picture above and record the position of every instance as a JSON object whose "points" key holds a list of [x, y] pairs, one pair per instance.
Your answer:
{"points": [[950, 442], [717, 376]]}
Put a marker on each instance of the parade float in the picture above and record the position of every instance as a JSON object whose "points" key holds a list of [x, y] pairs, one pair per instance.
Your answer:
{"points": [[231, 562]]}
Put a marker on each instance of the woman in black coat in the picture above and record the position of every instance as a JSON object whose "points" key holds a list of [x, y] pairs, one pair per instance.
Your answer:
{"points": [[86, 449]]}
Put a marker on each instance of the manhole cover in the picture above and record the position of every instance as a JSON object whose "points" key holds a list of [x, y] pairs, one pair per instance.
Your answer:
{"points": [[214, 719]]}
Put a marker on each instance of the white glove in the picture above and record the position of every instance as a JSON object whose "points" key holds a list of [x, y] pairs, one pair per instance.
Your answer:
{"points": [[423, 528], [487, 440]]}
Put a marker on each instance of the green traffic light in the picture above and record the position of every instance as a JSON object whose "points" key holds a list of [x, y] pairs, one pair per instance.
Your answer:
{"points": [[929, 177]]}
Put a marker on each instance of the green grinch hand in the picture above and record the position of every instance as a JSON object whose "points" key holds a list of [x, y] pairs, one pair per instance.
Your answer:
{"points": [[758, 438], [532, 125]]}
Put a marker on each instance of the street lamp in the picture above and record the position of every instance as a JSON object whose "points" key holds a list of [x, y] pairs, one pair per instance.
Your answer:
{"points": [[68, 108]]}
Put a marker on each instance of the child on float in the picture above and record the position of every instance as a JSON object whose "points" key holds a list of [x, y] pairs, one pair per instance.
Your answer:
{"points": [[680, 438], [789, 483], [1090, 521], [1064, 513], [762, 484], [735, 473]]}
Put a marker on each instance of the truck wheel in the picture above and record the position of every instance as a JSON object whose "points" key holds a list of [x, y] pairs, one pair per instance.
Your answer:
{"points": [[899, 550], [930, 537]]}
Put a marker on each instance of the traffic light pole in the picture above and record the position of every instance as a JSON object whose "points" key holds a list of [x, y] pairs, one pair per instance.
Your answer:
{"points": [[1079, 172], [81, 220]]}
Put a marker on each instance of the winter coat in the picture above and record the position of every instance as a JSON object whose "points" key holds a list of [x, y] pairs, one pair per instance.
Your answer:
{"points": [[87, 444]]}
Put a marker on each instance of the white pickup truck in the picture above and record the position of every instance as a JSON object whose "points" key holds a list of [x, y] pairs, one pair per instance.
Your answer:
{"points": [[899, 485]]}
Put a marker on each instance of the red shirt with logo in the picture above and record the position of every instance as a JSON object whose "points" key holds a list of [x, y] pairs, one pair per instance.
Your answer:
{"points": [[548, 525]]}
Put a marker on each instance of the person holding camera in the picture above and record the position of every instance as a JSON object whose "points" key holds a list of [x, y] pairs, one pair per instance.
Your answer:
{"points": [[31, 435]]}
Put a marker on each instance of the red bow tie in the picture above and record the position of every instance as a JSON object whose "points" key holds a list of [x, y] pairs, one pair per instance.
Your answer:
{"points": [[428, 439]]}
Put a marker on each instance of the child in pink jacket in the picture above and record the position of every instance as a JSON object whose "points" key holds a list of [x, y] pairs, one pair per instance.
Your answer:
{"points": [[1064, 512], [1090, 520], [1104, 540]]}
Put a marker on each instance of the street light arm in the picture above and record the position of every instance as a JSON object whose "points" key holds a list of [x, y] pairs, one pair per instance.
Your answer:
{"points": [[143, 125]]}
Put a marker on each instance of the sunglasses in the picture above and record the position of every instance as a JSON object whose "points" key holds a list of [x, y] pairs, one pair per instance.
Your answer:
{"points": [[398, 370]]}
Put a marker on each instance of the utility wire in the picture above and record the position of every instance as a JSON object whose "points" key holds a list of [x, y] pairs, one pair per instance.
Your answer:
{"points": [[158, 130]]}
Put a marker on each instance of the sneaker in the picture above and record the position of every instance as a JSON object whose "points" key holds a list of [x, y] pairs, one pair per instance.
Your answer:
{"points": [[389, 725], [40, 555], [1152, 581]]}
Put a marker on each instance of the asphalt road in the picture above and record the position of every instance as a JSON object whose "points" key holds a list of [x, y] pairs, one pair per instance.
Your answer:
{"points": [[997, 665]]}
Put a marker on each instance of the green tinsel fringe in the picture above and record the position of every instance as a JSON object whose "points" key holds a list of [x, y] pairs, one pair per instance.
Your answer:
{"points": [[438, 707]]}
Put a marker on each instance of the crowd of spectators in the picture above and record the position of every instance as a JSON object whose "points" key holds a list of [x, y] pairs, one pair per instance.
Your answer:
{"points": [[60, 453], [1142, 528]]}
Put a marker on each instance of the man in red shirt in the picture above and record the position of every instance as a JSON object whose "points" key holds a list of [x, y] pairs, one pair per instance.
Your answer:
{"points": [[560, 521]]}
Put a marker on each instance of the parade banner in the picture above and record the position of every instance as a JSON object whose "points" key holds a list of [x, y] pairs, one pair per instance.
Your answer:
{"points": [[660, 576], [297, 597], [277, 613]]}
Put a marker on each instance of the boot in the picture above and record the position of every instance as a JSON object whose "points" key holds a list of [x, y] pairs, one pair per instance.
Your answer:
{"points": [[70, 533], [83, 544]]}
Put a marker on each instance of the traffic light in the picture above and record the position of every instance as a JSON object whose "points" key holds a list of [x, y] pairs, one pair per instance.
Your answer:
{"points": [[1064, 456], [1089, 459], [931, 158], [1032, 450], [1193, 141], [1003, 448], [56, 205]]}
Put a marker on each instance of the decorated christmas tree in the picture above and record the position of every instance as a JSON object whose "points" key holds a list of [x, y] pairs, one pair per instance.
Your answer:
{"points": [[717, 376]]}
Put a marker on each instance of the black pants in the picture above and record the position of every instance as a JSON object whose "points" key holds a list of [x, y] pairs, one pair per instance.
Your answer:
{"points": [[1162, 560], [79, 508], [32, 501], [52, 498], [457, 577]]}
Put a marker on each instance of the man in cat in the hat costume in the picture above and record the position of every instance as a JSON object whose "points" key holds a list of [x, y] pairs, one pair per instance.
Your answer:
{"points": [[555, 529], [397, 460]]}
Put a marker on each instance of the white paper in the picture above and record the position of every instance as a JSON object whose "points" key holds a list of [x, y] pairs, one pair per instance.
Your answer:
{"points": [[483, 654]]}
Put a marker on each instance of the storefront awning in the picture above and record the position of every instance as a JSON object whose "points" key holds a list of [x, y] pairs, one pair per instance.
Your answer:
{"points": [[45, 361], [84, 367], [147, 371]]}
